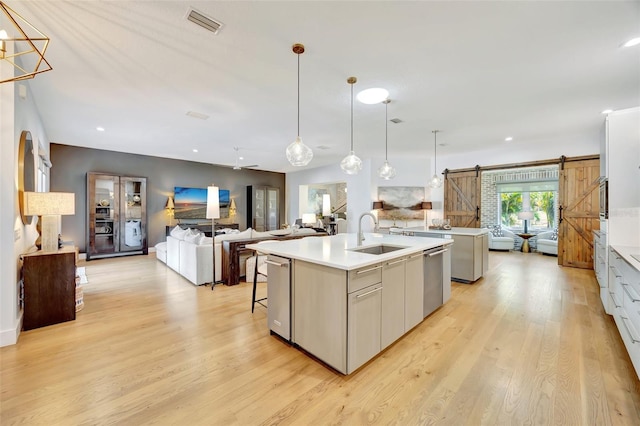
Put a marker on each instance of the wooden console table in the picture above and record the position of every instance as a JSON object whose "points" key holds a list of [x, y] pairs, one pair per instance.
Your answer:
{"points": [[49, 287], [232, 249]]}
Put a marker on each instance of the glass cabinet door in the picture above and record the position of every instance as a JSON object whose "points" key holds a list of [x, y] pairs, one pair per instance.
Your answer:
{"points": [[103, 214], [258, 210], [272, 215], [132, 225]]}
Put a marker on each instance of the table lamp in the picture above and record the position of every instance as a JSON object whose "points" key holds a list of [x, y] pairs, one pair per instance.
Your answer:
{"points": [[213, 213], [49, 205], [525, 216], [308, 218]]}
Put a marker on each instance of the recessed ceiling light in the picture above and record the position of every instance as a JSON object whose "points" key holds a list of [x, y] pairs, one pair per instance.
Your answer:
{"points": [[632, 42], [508, 139], [373, 96], [607, 111], [195, 150], [100, 129]]}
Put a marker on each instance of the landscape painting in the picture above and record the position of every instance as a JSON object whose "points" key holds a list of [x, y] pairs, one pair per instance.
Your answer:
{"points": [[401, 202], [191, 203]]}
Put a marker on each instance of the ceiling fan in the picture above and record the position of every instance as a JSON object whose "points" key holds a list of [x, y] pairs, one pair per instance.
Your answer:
{"points": [[238, 158]]}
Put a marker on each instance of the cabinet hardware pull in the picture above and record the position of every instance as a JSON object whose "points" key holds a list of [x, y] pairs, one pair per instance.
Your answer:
{"points": [[271, 262], [364, 271], [368, 293], [627, 289], [437, 252], [633, 338], [615, 302], [396, 261], [615, 271]]}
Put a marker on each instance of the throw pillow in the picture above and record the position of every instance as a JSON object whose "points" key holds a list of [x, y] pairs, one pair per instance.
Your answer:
{"points": [[554, 236], [178, 233], [193, 236], [497, 231]]}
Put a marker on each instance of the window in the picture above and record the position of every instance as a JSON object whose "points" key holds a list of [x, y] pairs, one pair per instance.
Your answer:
{"points": [[541, 203]]}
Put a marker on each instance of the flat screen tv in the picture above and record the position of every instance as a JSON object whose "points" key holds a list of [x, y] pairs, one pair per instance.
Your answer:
{"points": [[191, 203]]}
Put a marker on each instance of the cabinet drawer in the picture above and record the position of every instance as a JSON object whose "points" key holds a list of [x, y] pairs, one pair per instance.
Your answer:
{"points": [[631, 305], [630, 336], [364, 277]]}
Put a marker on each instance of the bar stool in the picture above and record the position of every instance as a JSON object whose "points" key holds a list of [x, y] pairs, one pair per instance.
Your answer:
{"points": [[259, 269]]}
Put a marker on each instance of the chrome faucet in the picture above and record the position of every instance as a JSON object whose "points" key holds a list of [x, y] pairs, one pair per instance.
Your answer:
{"points": [[360, 233]]}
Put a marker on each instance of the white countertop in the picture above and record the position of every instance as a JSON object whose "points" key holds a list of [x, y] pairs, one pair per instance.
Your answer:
{"points": [[333, 251], [452, 231], [626, 252]]}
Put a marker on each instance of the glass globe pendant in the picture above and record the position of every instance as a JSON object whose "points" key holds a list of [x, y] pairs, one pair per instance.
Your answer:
{"points": [[297, 152], [386, 171], [351, 164], [435, 181]]}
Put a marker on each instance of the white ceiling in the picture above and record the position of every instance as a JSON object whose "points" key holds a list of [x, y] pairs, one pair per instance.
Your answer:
{"points": [[480, 71]]}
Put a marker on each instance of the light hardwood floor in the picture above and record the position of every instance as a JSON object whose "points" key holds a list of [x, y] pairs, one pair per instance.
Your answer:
{"points": [[527, 344]]}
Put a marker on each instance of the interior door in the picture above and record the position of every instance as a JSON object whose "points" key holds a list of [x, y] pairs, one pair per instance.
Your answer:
{"points": [[462, 196], [579, 212]]}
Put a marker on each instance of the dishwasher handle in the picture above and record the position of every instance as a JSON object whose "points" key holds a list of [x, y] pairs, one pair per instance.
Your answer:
{"points": [[435, 253], [271, 262]]}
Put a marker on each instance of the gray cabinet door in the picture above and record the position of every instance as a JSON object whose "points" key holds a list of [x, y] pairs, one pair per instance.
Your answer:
{"points": [[364, 325], [413, 291], [393, 281]]}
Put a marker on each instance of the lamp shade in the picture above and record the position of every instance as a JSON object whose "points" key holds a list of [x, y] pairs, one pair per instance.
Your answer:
{"points": [[326, 205], [308, 218], [49, 203], [525, 215], [377, 205], [213, 202], [426, 205], [170, 204]]}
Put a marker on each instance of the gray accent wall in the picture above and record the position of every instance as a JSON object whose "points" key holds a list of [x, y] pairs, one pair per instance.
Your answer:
{"points": [[71, 165]]}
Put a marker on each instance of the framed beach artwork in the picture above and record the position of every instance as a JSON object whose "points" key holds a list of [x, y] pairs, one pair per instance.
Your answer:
{"points": [[401, 202]]}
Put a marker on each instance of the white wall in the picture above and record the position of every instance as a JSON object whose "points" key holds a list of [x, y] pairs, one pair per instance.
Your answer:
{"points": [[16, 114]]}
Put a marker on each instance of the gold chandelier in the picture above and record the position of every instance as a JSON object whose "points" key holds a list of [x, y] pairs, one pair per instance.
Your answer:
{"points": [[29, 45]]}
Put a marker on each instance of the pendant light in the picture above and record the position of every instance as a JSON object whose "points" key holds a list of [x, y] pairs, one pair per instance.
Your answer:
{"points": [[351, 164], [435, 181], [297, 152], [386, 171]]}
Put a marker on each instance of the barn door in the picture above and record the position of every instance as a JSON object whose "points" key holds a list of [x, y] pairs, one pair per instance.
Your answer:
{"points": [[579, 209], [462, 196]]}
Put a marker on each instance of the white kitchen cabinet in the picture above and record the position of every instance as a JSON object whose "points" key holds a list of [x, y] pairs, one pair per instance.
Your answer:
{"points": [[365, 307], [414, 291], [601, 268], [446, 276], [393, 293], [624, 282], [623, 168]]}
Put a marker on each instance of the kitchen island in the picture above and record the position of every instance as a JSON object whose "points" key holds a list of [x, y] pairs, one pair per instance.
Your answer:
{"points": [[344, 304], [469, 255]]}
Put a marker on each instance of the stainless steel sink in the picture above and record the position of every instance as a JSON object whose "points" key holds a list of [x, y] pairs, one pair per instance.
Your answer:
{"points": [[378, 249]]}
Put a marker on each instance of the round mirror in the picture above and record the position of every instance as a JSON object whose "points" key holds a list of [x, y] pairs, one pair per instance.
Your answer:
{"points": [[26, 171]]}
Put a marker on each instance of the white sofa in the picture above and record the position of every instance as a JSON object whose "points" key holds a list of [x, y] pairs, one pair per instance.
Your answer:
{"points": [[190, 254], [504, 242], [547, 242]]}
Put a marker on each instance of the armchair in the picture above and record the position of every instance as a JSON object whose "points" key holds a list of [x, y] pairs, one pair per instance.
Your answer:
{"points": [[547, 242], [501, 239]]}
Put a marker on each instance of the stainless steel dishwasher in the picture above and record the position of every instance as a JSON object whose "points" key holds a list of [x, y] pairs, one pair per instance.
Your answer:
{"points": [[433, 277], [279, 295]]}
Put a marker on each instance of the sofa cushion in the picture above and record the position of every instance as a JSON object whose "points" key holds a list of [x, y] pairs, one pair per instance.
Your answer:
{"points": [[178, 233], [554, 235], [239, 236], [497, 231], [193, 236], [205, 241]]}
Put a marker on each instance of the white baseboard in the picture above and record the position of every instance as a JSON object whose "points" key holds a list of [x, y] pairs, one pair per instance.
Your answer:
{"points": [[10, 336]]}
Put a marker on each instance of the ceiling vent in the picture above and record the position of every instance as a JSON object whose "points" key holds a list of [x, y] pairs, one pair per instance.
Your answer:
{"points": [[204, 21], [396, 120]]}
